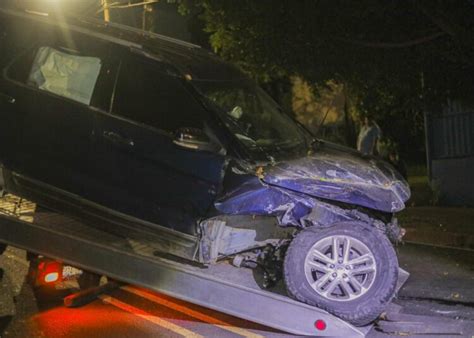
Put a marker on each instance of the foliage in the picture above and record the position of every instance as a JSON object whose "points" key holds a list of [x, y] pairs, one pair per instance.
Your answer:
{"points": [[388, 43], [394, 58]]}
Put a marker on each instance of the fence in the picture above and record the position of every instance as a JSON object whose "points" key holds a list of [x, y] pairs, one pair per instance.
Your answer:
{"points": [[451, 136], [450, 153]]}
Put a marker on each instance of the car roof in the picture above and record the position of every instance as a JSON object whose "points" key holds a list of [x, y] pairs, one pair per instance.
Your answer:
{"points": [[188, 58]]}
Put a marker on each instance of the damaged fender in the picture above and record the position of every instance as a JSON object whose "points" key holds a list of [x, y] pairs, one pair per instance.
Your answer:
{"points": [[345, 176], [290, 208]]}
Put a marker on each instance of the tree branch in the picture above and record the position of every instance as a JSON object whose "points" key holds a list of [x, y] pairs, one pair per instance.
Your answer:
{"points": [[404, 44], [436, 18]]}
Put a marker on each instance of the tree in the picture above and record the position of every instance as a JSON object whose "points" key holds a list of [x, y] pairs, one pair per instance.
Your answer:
{"points": [[393, 57]]}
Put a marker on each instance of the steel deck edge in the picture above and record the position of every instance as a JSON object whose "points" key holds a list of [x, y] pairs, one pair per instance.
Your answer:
{"points": [[175, 280]]}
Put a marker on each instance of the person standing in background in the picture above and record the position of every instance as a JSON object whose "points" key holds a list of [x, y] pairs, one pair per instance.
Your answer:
{"points": [[369, 134]]}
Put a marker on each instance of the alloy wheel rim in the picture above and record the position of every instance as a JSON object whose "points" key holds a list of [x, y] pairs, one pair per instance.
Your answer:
{"points": [[340, 268]]}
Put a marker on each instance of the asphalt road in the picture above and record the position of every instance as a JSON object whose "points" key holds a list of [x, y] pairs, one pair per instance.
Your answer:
{"points": [[441, 286]]}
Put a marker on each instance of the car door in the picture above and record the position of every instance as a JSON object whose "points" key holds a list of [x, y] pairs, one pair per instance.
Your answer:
{"points": [[16, 36], [56, 88], [144, 172]]}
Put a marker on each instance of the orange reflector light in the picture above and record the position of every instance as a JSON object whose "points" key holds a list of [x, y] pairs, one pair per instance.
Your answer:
{"points": [[51, 277], [320, 325]]}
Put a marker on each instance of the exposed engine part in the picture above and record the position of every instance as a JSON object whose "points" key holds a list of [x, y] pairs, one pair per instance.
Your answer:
{"points": [[239, 261], [269, 259], [245, 261], [225, 236], [228, 235], [272, 258]]}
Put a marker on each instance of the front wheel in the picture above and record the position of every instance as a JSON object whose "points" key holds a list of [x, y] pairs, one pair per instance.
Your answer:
{"points": [[349, 269]]}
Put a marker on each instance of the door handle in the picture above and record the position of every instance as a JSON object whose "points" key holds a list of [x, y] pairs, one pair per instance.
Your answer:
{"points": [[7, 98], [117, 138]]}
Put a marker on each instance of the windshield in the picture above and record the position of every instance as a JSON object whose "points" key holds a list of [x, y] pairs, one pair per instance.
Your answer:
{"points": [[252, 116]]}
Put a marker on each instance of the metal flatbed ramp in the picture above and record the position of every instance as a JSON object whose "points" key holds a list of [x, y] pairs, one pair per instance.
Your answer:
{"points": [[221, 287]]}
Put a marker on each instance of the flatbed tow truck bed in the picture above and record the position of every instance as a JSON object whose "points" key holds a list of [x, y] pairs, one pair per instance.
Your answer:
{"points": [[133, 259]]}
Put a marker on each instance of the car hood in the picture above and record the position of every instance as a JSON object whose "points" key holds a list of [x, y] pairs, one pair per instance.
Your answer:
{"points": [[337, 173]]}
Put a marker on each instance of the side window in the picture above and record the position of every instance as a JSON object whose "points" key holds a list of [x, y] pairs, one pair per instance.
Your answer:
{"points": [[147, 95], [3, 40], [20, 69], [75, 74], [18, 34], [65, 74]]}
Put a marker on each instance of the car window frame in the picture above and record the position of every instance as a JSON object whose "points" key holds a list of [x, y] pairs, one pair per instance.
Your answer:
{"points": [[35, 47], [128, 57]]}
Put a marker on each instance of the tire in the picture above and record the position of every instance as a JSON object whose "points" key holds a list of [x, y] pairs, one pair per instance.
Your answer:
{"points": [[371, 263], [88, 280]]}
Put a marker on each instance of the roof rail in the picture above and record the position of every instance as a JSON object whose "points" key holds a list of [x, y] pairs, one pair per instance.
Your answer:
{"points": [[36, 12], [138, 31], [90, 20], [46, 18]]}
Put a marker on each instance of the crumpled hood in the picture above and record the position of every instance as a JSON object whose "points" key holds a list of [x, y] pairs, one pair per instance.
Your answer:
{"points": [[341, 174]]}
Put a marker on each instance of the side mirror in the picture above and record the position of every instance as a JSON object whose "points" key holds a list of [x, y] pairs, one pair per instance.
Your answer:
{"points": [[194, 139]]}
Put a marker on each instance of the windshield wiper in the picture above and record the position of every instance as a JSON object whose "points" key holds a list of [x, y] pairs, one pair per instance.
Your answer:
{"points": [[288, 144]]}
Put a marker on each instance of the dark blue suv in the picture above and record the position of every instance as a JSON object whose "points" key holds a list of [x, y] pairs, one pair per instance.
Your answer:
{"points": [[127, 129]]}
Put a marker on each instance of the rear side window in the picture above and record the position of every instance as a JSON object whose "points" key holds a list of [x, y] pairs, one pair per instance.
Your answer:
{"points": [[17, 35], [65, 74], [78, 72], [147, 95]]}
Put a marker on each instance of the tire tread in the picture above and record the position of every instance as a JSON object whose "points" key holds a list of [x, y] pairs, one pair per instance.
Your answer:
{"points": [[358, 317]]}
